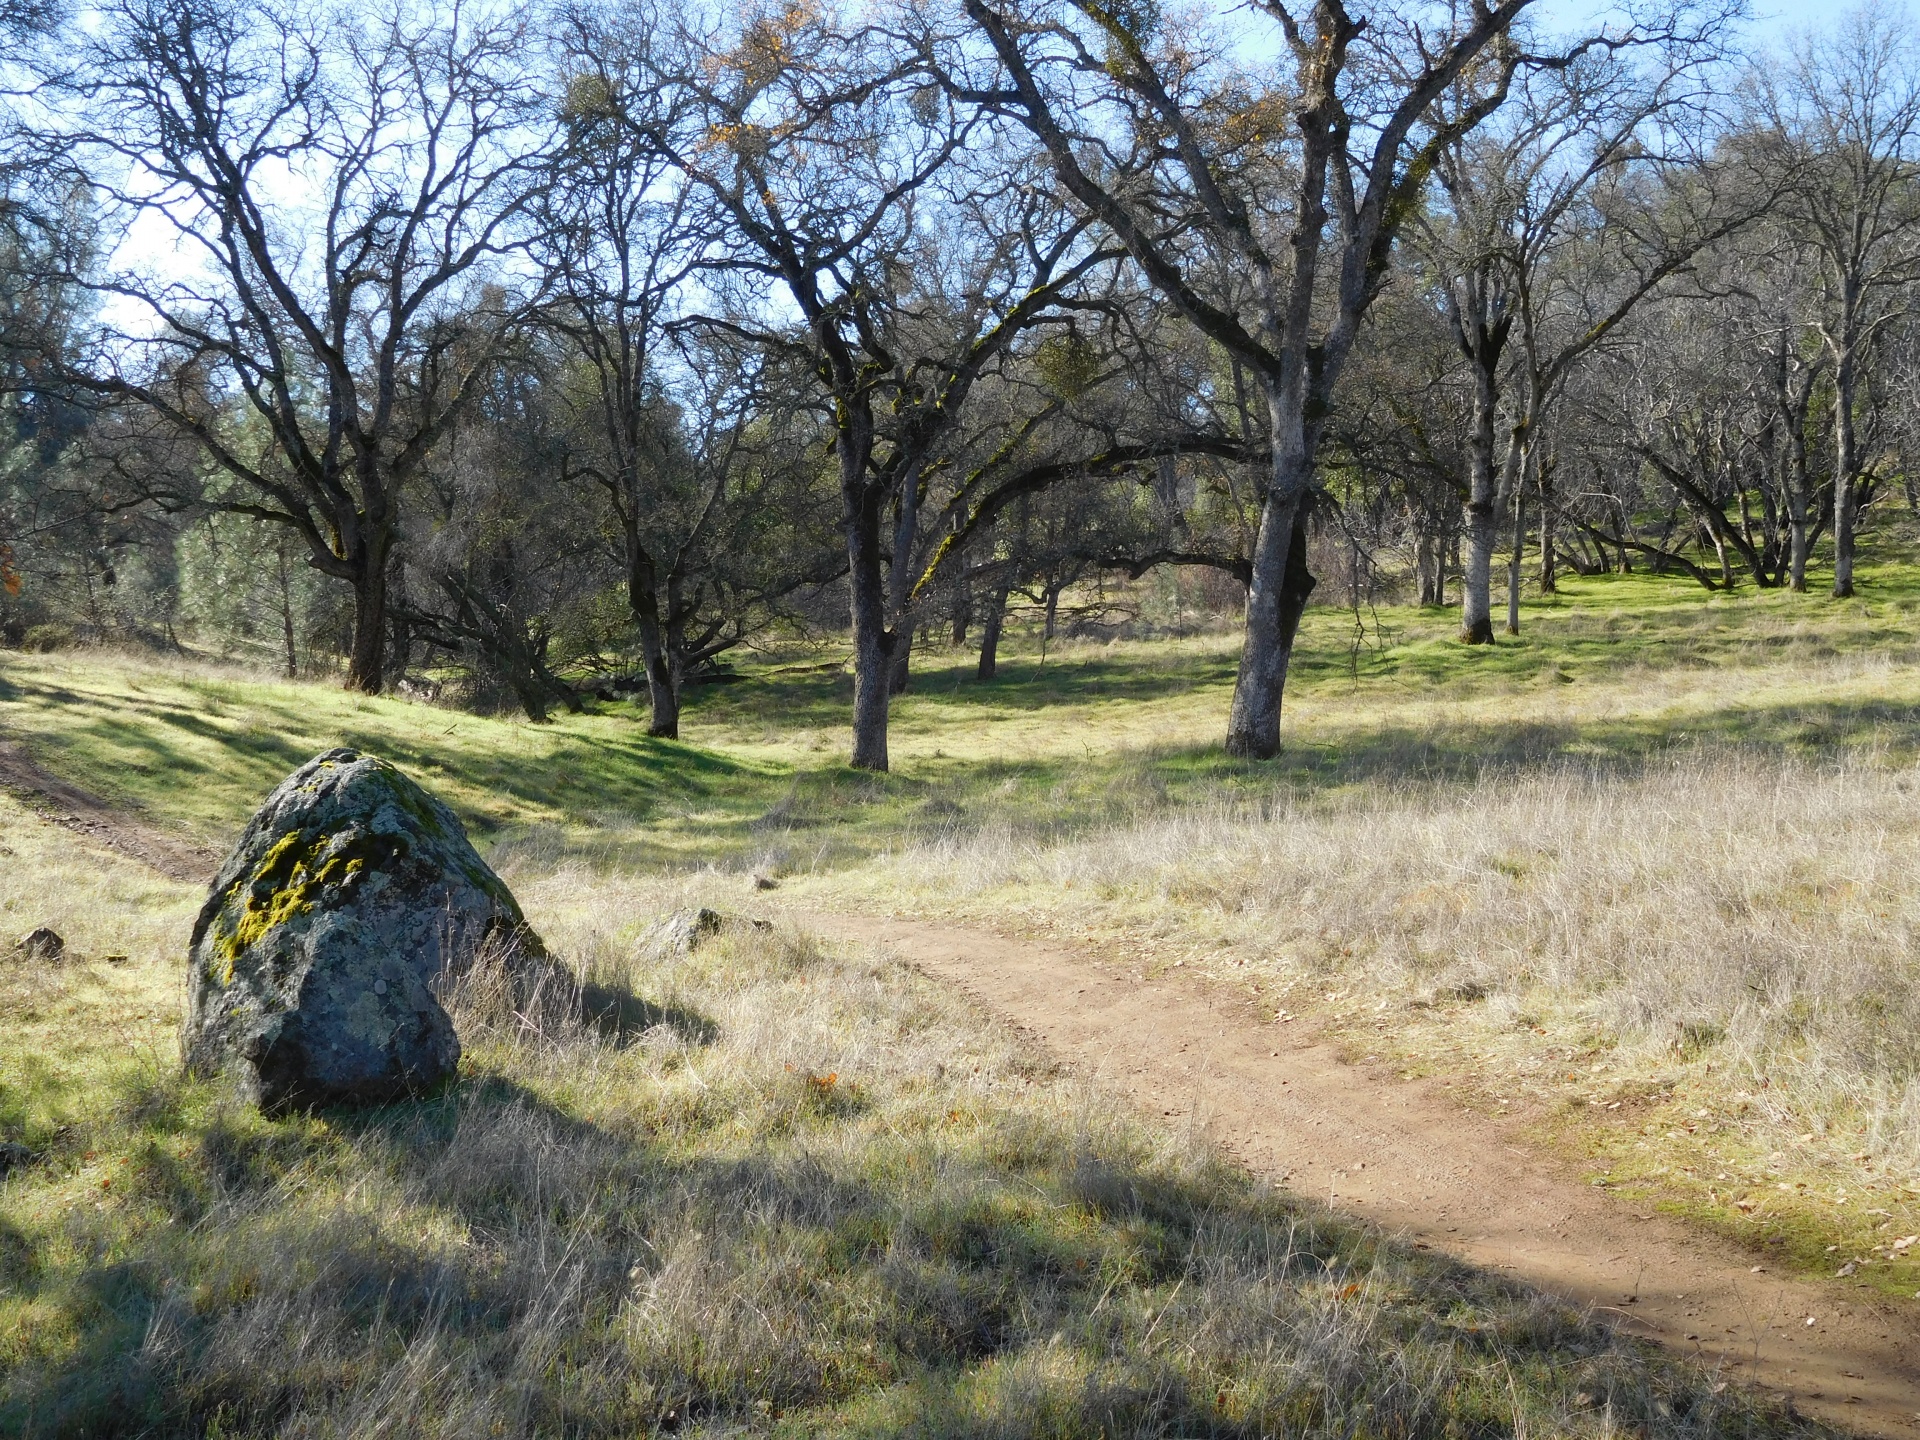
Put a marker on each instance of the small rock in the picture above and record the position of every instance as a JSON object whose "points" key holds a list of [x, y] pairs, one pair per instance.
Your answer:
{"points": [[765, 882], [685, 932], [15, 1156], [116, 959], [321, 954], [43, 945]]}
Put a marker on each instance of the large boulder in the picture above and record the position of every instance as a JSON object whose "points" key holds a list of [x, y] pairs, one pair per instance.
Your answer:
{"points": [[318, 961]]}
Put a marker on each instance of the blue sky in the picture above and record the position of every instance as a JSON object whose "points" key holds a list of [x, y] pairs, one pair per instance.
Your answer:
{"points": [[1772, 19]]}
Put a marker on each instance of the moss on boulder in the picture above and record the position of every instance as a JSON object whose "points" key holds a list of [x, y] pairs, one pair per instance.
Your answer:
{"points": [[319, 958]]}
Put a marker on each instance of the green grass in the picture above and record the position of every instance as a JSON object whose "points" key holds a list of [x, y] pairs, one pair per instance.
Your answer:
{"points": [[1621, 669]]}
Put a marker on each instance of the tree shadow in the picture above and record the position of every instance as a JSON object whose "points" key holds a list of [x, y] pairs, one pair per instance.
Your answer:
{"points": [[508, 1254], [623, 1017]]}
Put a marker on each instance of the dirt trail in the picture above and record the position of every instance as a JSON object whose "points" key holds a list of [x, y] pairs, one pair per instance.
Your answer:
{"points": [[87, 814], [1407, 1157]]}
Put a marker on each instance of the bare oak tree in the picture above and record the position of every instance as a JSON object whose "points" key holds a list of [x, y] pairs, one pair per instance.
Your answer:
{"points": [[1264, 204], [817, 145], [338, 193], [1561, 216], [1842, 119]]}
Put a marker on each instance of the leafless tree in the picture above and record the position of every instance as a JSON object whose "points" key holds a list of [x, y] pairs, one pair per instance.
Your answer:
{"points": [[816, 144], [619, 248], [1561, 215], [1264, 204], [343, 190], [1841, 120]]}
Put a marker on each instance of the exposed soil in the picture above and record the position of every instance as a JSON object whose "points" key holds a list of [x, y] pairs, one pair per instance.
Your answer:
{"points": [[1405, 1155], [87, 814]]}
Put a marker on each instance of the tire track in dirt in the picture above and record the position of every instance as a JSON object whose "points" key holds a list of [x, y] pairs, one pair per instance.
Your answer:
{"points": [[1406, 1157], [86, 814]]}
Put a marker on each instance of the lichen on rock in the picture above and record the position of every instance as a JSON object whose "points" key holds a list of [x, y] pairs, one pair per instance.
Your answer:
{"points": [[320, 956]]}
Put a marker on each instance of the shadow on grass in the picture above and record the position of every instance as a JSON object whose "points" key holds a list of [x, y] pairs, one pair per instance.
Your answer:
{"points": [[494, 1261], [943, 684], [1599, 628], [217, 762], [623, 1017]]}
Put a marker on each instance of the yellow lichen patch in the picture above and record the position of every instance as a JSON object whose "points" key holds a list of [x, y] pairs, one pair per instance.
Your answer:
{"points": [[281, 887]]}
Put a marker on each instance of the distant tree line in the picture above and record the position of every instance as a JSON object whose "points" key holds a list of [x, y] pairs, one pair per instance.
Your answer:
{"points": [[541, 343]]}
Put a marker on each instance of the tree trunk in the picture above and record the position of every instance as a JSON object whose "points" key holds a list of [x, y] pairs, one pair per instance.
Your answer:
{"points": [[962, 604], [1481, 517], [990, 633], [1513, 563], [643, 603], [1797, 506], [906, 529], [1276, 597], [1052, 614], [366, 663], [286, 609], [1482, 343], [1476, 583], [899, 665], [1845, 458], [1549, 558], [1428, 561], [532, 698], [286, 638], [567, 695], [663, 696], [399, 630], [1720, 552], [872, 645]]}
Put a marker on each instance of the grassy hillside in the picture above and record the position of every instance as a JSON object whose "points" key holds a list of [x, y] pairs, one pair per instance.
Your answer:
{"points": [[1617, 670], [1645, 875]]}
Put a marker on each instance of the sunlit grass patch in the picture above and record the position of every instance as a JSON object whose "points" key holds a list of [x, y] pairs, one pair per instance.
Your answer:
{"points": [[198, 749], [1085, 735]]}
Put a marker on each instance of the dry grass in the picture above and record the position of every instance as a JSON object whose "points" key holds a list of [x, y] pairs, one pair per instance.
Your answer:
{"points": [[756, 1189], [1716, 925], [1658, 857]]}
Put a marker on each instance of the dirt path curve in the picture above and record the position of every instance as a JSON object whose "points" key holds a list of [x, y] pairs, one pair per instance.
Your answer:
{"points": [[84, 813], [1408, 1158]]}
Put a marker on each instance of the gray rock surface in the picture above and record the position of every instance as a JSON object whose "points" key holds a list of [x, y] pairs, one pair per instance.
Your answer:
{"points": [[351, 899], [683, 932]]}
